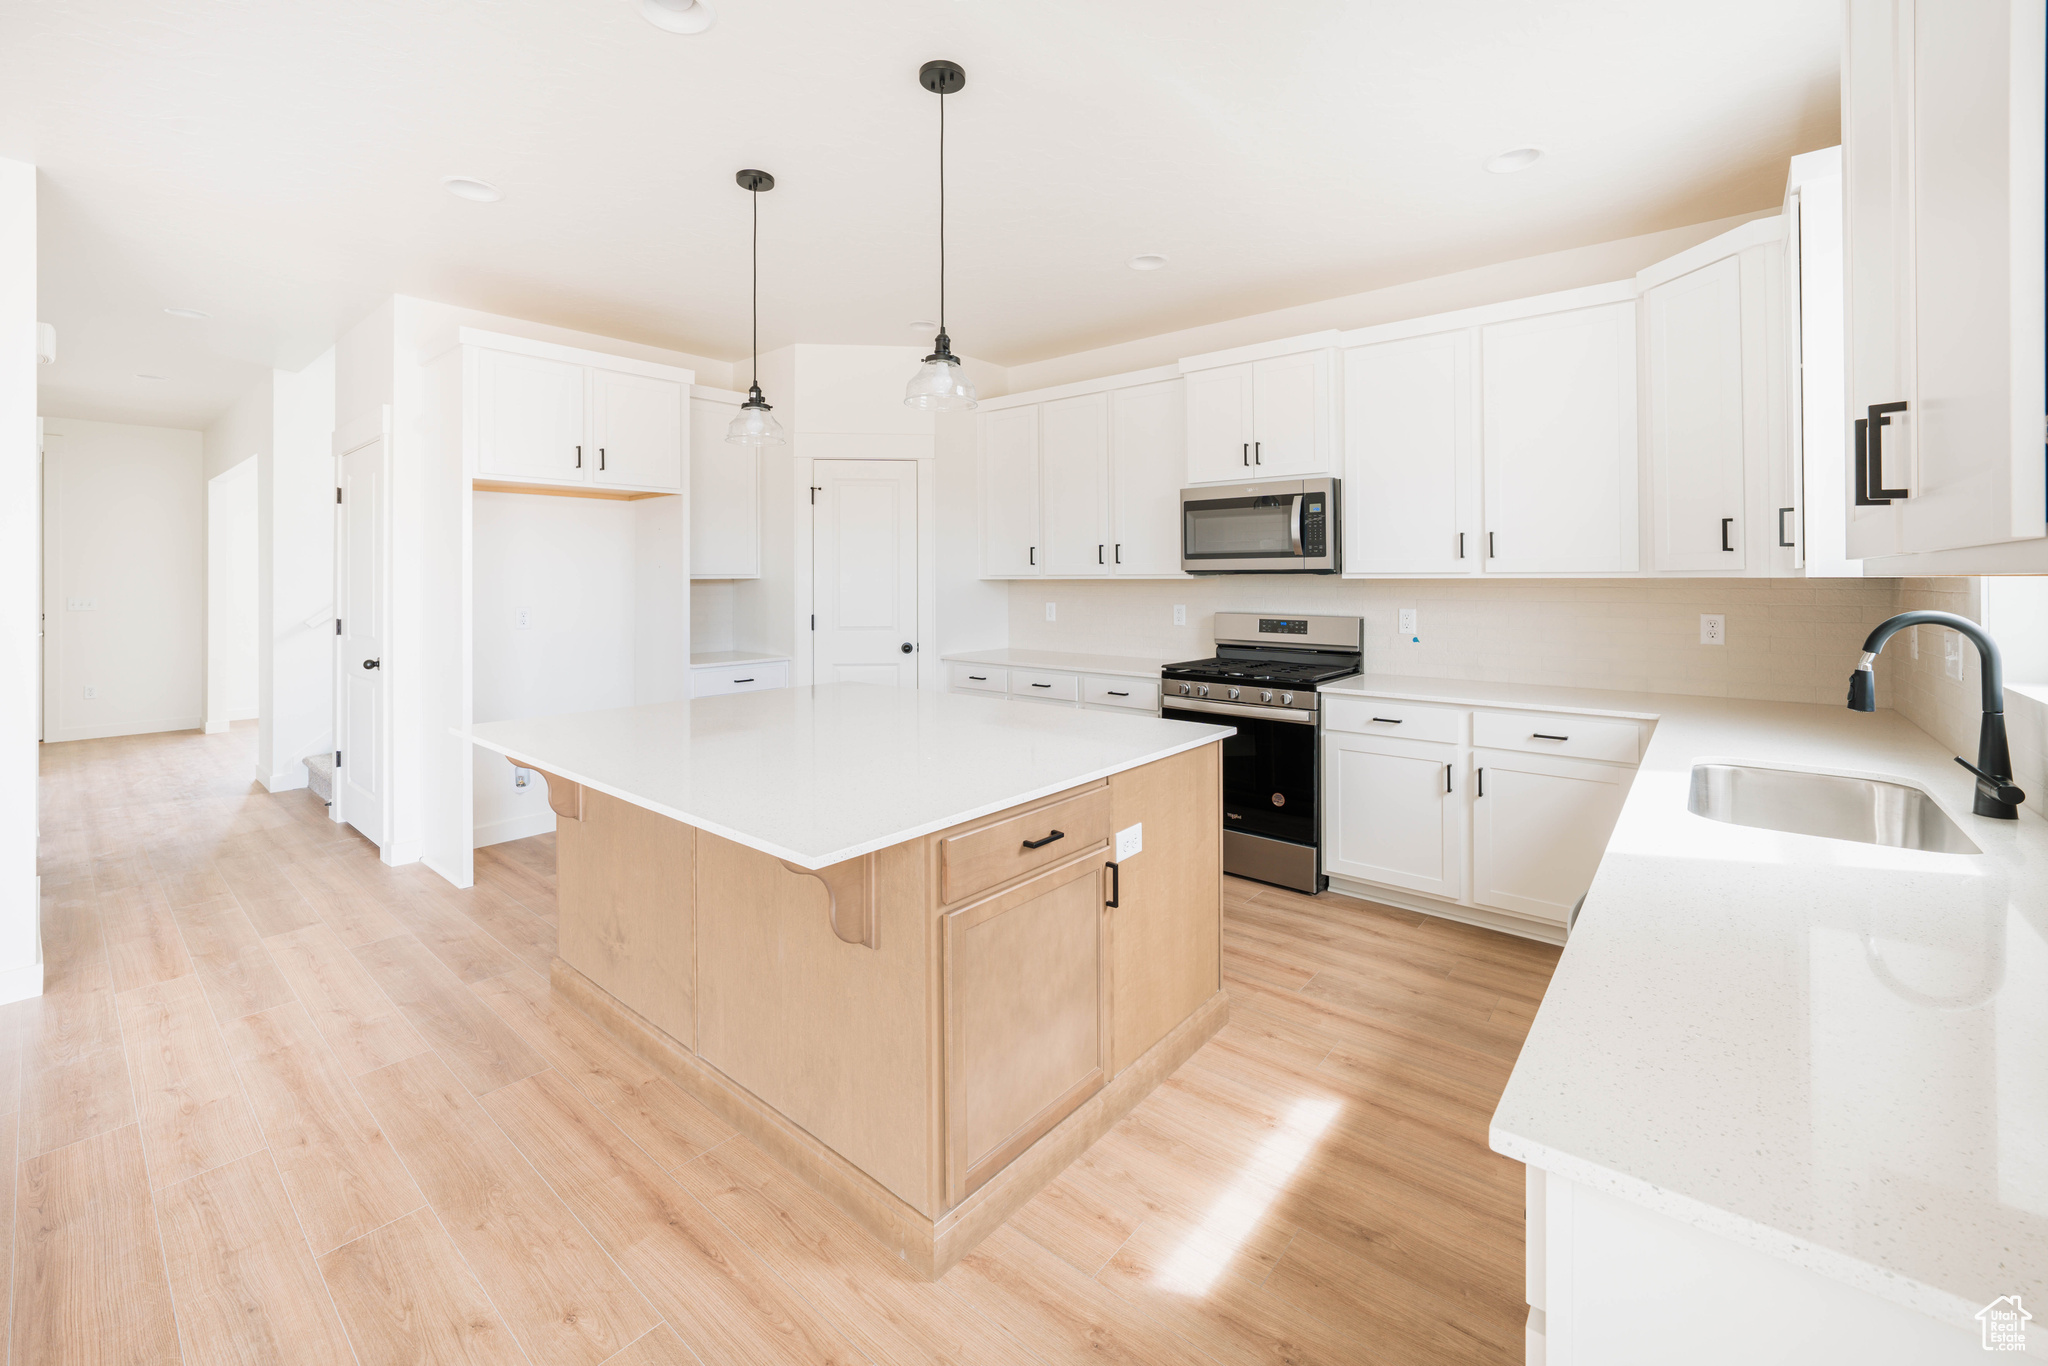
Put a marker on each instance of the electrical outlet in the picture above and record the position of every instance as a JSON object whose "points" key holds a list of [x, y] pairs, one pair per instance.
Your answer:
{"points": [[1952, 654], [522, 777], [1052, 611], [1129, 841], [91, 693], [522, 618], [1180, 614], [83, 604], [1408, 626], [1713, 628]]}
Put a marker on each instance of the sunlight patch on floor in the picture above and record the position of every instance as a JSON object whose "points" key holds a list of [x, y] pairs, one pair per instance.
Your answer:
{"points": [[1208, 1249]]}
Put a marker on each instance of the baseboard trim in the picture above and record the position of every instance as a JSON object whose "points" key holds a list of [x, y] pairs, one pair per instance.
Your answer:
{"points": [[1542, 931], [398, 855], [64, 733], [513, 828], [215, 727], [929, 1247], [290, 780]]}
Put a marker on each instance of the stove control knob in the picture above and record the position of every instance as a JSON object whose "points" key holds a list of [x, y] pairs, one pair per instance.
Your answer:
{"points": [[1265, 694], [1287, 699], [1186, 689], [1233, 694], [1201, 689]]}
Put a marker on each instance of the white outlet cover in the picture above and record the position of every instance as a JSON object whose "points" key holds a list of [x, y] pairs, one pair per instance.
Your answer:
{"points": [[522, 618], [1129, 841], [83, 604], [91, 693], [1713, 628], [1408, 615], [1952, 654], [1052, 611], [1180, 614]]}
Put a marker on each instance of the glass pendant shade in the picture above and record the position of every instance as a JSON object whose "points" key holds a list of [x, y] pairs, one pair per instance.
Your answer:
{"points": [[940, 386], [754, 424]]}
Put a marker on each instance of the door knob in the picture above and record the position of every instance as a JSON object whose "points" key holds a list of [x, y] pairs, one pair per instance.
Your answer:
{"points": [[373, 664], [908, 647]]}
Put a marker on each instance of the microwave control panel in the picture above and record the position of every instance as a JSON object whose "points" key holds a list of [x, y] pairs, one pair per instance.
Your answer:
{"points": [[1314, 526]]}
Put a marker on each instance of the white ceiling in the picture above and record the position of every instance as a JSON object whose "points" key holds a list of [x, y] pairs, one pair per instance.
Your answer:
{"points": [[278, 164]]}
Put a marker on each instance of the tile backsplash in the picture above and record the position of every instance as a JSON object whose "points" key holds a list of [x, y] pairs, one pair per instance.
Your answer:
{"points": [[1791, 640]]}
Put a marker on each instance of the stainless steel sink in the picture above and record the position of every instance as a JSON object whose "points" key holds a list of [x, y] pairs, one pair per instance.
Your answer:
{"points": [[1800, 803]]}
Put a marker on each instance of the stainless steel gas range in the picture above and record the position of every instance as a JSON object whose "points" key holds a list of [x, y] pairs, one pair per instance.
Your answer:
{"points": [[1263, 679]]}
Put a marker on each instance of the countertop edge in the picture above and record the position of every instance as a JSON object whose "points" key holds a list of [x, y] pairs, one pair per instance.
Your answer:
{"points": [[774, 850], [1136, 668], [1342, 688]]}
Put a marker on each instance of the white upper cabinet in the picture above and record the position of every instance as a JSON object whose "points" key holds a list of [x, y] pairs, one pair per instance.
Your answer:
{"points": [[1558, 442], [1219, 424], [1269, 417], [1148, 447], [1693, 418], [1411, 467], [1009, 493], [529, 417], [1073, 463], [637, 426], [1943, 140], [725, 495]]}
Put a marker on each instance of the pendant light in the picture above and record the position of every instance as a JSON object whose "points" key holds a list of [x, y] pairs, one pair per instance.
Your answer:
{"points": [[941, 384], [755, 425]]}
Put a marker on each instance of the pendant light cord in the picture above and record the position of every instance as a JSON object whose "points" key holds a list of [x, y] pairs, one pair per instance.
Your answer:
{"points": [[756, 196], [942, 213]]}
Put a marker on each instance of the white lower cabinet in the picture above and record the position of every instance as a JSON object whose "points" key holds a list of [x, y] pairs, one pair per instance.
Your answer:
{"points": [[716, 679], [1393, 816], [1539, 828], [1055, 687]]}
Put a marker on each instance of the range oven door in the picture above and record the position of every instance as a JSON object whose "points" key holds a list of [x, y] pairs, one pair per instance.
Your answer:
{"points": [[1279, 526], [1270, 823]]}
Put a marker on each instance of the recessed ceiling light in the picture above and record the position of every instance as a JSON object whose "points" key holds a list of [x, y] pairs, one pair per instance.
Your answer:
{"points": [[923, 325], [1148, 261], [188, 313], [1514, 159], [478, 191], [143, 376], [677, 16]]}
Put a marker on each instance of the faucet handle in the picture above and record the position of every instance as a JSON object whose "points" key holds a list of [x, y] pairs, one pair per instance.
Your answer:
{"points": [[2002, 788]]}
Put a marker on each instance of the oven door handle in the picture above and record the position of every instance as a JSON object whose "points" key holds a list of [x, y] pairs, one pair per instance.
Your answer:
{"points": [[1252, 711], [1294, 527]]}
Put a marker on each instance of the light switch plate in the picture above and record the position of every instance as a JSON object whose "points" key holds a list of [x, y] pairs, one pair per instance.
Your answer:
{"points": [[1180, 614], [1052, 611], [1130, 840], [1713, 628]]}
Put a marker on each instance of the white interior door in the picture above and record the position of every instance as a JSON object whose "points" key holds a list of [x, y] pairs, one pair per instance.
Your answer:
{"points": [[362, 785], [1411, 442], [1073, 467], [1696, 418], [864, 571], [1148, 447], [638, 429]]}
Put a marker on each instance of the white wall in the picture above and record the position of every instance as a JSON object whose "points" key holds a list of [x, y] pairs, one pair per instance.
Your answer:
{"points": [[21, 607], [295, 549], [125, 521], [231, 595]]}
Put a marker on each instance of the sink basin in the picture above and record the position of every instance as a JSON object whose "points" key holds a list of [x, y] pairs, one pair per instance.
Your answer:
{"points": [[1799, 803]]}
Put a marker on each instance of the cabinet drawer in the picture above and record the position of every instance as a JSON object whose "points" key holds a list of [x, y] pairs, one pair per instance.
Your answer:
{"points": [[1575, 737], [980, 678], [1045, 687], [1404, 720], [988, 856], [1141, 694], [739, 678]]}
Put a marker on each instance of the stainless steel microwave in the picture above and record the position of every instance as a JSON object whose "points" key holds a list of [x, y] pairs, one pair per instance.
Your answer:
{"points": [[1276, 526]]}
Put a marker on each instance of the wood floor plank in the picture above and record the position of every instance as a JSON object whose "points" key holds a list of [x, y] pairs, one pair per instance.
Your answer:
{"points": [[342, 1175], [243, 1281], [466, 1033], [9, 1128], [355, 913], [1317, 1277], [519, 877], [66, 1101], [720, 1298], [358, 1021], [426, 908], [661, 1347], [85, 1227], [259, 883], [229, 956], [564, 1299], [143, 942], [511, 925], [191, 1108], [408, 1298], [653, 1111]]}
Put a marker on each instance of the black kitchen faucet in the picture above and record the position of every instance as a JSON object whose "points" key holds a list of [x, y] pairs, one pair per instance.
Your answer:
{"points": [[1996, 795]]}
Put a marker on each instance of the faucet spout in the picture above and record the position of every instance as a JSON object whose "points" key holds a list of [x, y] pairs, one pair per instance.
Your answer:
{"points": [[1997, 797]]}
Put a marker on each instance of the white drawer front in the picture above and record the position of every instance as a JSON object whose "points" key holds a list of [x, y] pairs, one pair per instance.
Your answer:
{"points": [[1140, 694], [1045, 687], [1573, 737], [980, 678], [738, 678], [1399, 720]]}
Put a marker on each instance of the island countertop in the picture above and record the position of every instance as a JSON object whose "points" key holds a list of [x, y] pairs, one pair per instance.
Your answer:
{"points": [[819, 775]]}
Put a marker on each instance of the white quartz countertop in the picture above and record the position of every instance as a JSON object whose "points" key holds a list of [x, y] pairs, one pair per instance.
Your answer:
{"points": [[818, 775], [1123, 666], [1833, 1052], [707, 658]]}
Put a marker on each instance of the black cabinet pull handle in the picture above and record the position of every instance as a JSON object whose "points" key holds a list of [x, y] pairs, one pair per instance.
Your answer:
{"points": [[1447, 780], [1726, 522], [1781, 527], [1247, 455], [1040, 844], [1863, 498], [1482, 782], [743, 680], [1119, 552], [1539, 735], [1880, 418], [1041, 685], [1034, 554], [1388, 720], [977, 678], [1098, 554], [1116, 886], [600, 457], [579, 457], [1461, 545], [1490, 553], [1119, 694], [1257, 459]]}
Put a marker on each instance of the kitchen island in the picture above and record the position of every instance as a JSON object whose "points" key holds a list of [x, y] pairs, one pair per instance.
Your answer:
{"points": [[920, 949]]}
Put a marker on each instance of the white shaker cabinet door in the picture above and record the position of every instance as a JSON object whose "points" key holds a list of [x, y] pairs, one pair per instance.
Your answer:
{"points": [[1539, 829], [1411, 466], [1291, 416], [1558, 433], [1148, 450], [1219, 408], [1695, 408], [637, 427], [1394, 815], [529, 419], [1073, 463], [725, 497], [1009, 493]]}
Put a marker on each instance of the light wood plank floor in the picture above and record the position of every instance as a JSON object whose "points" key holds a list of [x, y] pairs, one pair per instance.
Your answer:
{"points": [[282, 1103]]}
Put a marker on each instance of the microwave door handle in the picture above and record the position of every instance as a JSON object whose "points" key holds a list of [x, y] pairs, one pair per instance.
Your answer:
{"points": [[1295, 522]]}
